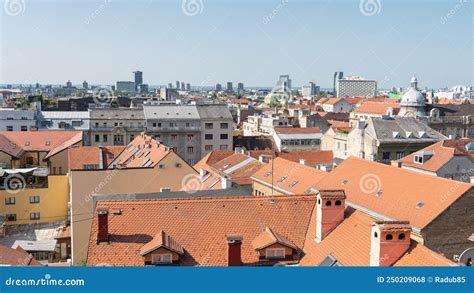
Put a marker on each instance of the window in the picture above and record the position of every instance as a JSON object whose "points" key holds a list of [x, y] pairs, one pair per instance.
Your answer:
{"points": [[9, 128], [224, 136], [105, 138], [400, 155], [224, 125], [338, 202], [97, 124], [9, 200], [328, 203], [208, 136], [161, 258], [174, 137], [171, 124], [386, 156], [34, 216], [190, 150], [208, 125], [60, 169], [11, 217], [159, 124], [389, 237], [154, 124], [275, 252], [132, 137], [34, 199], [54, 170], [418, 159], [97, 138], [187, 124], [223, 147], [401, 236], [24, 128], [29, 161], [115, 124], [190, 137], [76, 123], [208, 147]]}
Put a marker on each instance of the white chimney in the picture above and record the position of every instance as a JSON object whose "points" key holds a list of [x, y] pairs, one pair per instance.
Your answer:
{"points": [[226, 183], [202, 173], [302, 161]]}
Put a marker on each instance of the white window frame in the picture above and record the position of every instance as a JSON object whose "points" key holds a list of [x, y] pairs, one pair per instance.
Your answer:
{"points": [[418, 156], [161, 256], [272, 253]]}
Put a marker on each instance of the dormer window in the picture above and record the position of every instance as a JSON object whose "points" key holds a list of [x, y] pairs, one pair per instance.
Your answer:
{"points": [[161, 258], [275, 253], [418, 159], [161, 250]]}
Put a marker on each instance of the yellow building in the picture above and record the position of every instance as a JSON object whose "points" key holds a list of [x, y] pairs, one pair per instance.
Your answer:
{"points": [[42, 201]]}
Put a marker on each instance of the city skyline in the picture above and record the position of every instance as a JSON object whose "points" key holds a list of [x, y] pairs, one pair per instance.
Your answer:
{"points": [[105, 41]]}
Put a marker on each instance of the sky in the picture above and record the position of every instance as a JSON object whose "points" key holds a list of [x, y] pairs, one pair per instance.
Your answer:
{"points": [[205, 42]]}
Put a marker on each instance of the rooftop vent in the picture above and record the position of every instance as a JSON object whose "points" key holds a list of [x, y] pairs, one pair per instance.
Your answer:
{"points": [[344, 181], [420, 204]]}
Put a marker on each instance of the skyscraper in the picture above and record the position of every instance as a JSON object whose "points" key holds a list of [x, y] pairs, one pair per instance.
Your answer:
{"points": [[183, 87], [170, 85], [177, 84], [85, 85], [240, 87], [337, 76], [218, 87], [138, 79], [230, 87], [284, 83], [188, 87]]}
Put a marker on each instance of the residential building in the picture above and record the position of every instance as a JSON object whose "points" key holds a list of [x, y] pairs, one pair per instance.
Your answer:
{"points": [[264, 124], [451, 159], [30, 195], [290, 139], [335, 140], [322, 160], [337, 105], [30, 149], [248, 231], [455, 121], [115, 126], [216, 128], [435, 207], [310, 90], [16, 120], [169, 94], [178, 127], [281, 176], [390, 138], [65, 120], [356, 87], [373, 109], [143, 166]]}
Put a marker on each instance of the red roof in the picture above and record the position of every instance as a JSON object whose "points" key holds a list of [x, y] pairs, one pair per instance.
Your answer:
{"points": [[311, 157], [291, 130], [16, 257], [80, 157]]}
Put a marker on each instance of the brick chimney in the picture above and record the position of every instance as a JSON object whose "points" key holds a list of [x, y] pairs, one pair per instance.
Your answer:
{"points": [[330, 207], [234, 249], [389, 241], [103, 225]]}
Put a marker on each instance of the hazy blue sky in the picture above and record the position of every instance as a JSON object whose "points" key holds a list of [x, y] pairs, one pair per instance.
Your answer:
{"points": [[248, 41]]}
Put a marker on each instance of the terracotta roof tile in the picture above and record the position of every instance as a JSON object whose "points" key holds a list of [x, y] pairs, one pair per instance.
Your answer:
{"points": [[162, 240], [377, 187], [16, 257], [376, 108], [291, 130], [269, 237], [79, 157], [199, 225], [311, 157]]}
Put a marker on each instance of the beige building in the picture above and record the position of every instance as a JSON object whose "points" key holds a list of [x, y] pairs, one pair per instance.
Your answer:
{"points": [[144, 166]]}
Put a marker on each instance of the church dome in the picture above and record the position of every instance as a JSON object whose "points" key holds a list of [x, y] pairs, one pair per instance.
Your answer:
{"points": [[413, 97]]}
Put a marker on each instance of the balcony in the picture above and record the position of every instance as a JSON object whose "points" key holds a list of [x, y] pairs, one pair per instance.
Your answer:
{"points": [[15, 180]]}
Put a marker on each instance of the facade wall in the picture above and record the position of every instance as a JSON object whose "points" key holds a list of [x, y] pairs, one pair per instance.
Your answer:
{"points": [[53, 205], [216, 142], [263, 190]]}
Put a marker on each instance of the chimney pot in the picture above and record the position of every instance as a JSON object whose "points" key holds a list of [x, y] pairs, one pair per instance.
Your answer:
{"points": [[330, 208], [389, 241], [103, 225]]}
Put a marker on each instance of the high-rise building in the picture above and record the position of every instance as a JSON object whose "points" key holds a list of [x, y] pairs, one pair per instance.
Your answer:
{"points": [[68, 84], [240, 87], [188, 87], [284, 83], [218, 87], [170, 85], [356, 87], [310, 90], [126, 86], [138, 79], [230, 87], [337, 76], [85, 85], [177, 84], [183, 86]]}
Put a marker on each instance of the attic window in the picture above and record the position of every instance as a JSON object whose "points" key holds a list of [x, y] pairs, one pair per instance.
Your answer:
{"points": [[421, 134], [27, 143], [409, 134], [282, 179], [275, 253], [47, 143], [378, 193], [164, 258], [293, 183], [418, 159], [344, 181], [267, 174], [396, 134], [419, 204]]}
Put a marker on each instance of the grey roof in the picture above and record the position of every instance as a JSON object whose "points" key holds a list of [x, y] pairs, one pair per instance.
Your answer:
{"points": [[64, 114], [38, 245], [116, 113], [171, 112], [214, 111], [403, 129], [16, 114], [453, 110]]}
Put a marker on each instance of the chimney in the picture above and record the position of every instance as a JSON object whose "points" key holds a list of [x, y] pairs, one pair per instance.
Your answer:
{"points": [[234, 250], [239, 150], [389, 241], [103, 225], [264, 158], [202, 173], [302, 161], [101, 158], [226, 182], [329, 211]]}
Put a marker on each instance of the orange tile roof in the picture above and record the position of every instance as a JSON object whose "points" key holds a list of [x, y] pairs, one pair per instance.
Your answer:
{"points": [[332, 101], [162, 240], [9, 147], [288, 176], [89, 155], [376, 108], [230, 167], [142, 152], [16, 257], [51, 142], [311, 157], [269, 237], [291, 130], [199, 225], [378, 188], [349, 243]]}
